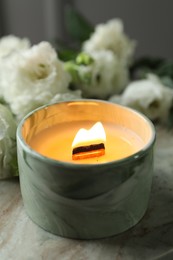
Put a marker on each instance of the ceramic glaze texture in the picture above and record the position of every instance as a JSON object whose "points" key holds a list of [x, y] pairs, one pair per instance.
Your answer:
{"points": [[84, 201]]}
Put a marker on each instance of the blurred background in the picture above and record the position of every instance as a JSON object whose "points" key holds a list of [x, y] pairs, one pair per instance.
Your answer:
{"points": [[149, 22]]}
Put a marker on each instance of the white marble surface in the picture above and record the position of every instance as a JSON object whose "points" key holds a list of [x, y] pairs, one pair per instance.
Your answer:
{"points": [[152, 238]]}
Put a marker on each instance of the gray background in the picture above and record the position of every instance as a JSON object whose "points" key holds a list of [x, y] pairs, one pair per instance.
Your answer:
{"points": [[149, 22]]}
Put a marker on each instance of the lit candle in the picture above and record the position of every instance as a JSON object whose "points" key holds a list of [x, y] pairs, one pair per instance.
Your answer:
{"points": [[56, 142], [109, 192]]}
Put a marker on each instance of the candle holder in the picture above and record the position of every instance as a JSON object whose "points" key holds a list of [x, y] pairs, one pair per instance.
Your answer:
{"points": [[85, 201]]}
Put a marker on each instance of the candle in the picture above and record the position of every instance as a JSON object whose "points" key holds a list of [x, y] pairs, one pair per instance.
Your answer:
{"points": [[56, 142], [93, 197]]}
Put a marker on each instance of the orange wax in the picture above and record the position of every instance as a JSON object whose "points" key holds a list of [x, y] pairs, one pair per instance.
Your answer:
{"points": [[55, 142]]}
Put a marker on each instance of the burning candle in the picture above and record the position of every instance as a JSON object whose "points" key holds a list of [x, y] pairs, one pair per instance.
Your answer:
{"points": [[108, 192], [56, 142]]}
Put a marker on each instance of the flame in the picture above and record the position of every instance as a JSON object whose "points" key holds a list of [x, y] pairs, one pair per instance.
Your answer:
{"points": [[89, 143]]}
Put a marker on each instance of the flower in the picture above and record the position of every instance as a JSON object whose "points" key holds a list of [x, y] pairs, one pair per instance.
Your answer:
{"points": [[31, 78], [111, 36], [112, 52], [8, 161], [148, 96], [101, 76], [12, 43]]}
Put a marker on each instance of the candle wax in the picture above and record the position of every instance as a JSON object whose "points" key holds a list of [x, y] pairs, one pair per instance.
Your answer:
{"points": [[55, 142]]}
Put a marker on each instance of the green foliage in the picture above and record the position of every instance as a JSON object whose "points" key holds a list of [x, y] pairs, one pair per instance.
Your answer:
{"points": [[77, 25], [161, 67], [66, 54], [170, 119], [78, 29], [144, 65], [65, 51]]}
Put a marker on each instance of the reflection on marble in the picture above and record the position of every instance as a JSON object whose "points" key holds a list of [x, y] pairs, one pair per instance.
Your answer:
{"points": [[152, 238]]}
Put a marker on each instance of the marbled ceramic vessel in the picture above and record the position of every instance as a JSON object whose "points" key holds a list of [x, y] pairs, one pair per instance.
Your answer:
{"points": [[85, 201]]}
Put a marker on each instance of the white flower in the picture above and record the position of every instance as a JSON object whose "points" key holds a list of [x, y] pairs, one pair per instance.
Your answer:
{"points": [[8, 158], [148, 96], [111, 36], [108, 75], [31, 78], [12, 43]]}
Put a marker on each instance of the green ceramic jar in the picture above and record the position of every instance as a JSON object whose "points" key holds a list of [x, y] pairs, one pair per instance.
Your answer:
{"points": [[85, 201]]}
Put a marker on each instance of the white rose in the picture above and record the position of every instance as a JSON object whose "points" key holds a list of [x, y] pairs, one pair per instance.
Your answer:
{"points": [[111, 36], [9, 44], [8, 157], [31, 78], [108, 75], [12, 43], [148, 96]]}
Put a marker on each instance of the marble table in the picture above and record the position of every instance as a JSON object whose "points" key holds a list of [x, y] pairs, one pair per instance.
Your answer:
{"points": [[152, 238]]}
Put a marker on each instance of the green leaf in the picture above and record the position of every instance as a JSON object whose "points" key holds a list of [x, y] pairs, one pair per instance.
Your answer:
{"points": [[65, 51], [72, 68], [159, 66], [170, 119], [77, 25], [167, 81], [166, 69], [67, 54], [145, 65]]}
